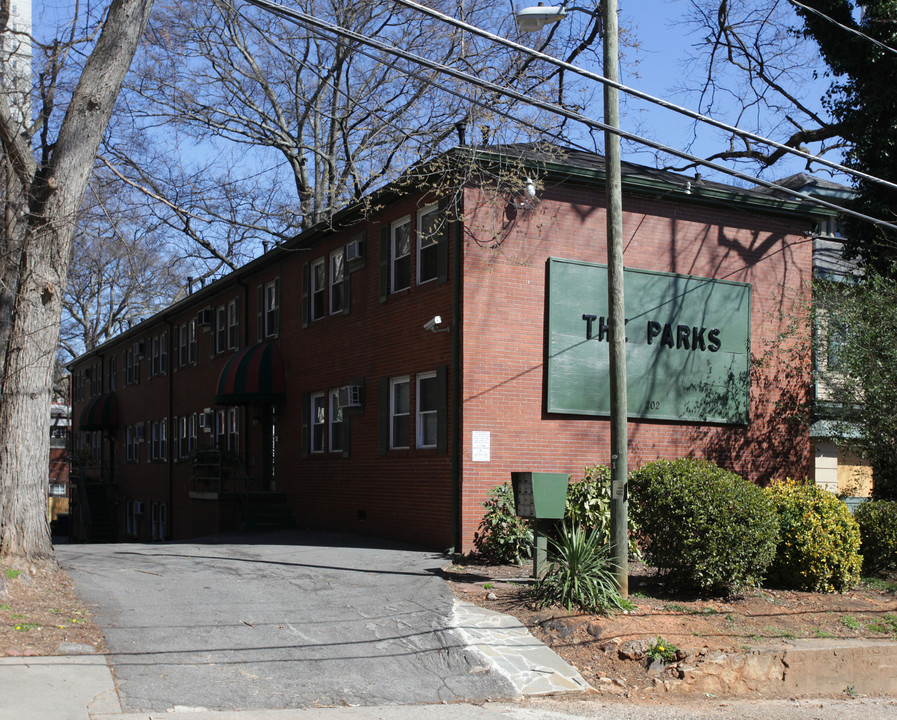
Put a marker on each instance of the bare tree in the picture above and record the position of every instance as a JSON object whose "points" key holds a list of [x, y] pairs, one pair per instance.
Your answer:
{"points": [[46, 167], [755, 68], [326, 118], [121, 271]]}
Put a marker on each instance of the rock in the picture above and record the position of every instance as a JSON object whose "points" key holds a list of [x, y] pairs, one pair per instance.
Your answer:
{"points": [[563, 627], [595, 629], [681, 654], [13, 652], [633, 649], [492, 596]]}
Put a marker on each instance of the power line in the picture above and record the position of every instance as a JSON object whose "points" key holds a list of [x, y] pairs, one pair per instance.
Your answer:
{"points": [[639, 94], [312, 21], [842, 26]]}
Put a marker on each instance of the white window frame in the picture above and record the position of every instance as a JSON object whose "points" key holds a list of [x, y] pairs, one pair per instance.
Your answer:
{"points": [[233, 324], [317, 293], [271, 308], [113, 373], [335, 423], [159, 515], [427, 241], [220, 329], [317, 423], [192, 342], [337, 276], [402, 225], [423, 414], [396, 414], [233, 429]]}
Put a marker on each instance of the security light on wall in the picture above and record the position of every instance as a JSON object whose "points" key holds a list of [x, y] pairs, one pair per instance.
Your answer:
{"points": [[433, 324]]}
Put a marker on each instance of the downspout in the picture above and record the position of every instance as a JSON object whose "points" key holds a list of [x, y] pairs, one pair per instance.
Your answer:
{"points": [[169, 427], [457, 326]]}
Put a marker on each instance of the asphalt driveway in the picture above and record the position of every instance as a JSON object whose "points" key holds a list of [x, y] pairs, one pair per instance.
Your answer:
{"points": [[283, 620]]}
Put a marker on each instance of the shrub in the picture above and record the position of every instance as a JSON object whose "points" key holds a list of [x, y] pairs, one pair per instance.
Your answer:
{"points": [[819, 541], [878, 530], [503, 537], [580, 573], [706, 528], [588, 504]]}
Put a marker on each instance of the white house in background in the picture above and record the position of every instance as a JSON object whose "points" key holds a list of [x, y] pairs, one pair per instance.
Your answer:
{"points": [[835, 468]]}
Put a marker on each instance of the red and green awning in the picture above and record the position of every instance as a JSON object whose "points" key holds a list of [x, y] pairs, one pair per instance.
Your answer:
{"points": [[100, 413], [253, 375]]}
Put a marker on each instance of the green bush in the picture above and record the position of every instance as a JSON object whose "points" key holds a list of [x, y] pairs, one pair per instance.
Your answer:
{"points": [[878, 530], [705, 528], [819, 541], [580, 574], [503, 537], [588, 504]]}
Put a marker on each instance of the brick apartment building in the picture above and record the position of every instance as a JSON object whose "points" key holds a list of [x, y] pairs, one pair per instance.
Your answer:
{"points": [[380, 374]]}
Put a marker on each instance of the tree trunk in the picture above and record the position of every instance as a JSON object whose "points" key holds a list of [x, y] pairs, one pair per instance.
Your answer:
{"points": [[44, 242]]}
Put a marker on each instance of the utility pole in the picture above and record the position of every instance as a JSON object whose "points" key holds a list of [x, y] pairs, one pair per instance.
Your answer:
{"points": [[619, 439]]}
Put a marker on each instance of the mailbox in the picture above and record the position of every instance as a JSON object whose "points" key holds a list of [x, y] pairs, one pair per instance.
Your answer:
{"points": [[540, 495]]}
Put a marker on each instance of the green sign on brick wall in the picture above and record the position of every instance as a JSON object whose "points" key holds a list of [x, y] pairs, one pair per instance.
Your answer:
{"points": [[687, 344]]}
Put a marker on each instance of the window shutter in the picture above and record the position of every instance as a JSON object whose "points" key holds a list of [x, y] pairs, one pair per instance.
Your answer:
{"points": [[442, 244], [442, 409], [384, 262], [238, 339], [277, 305], [260, 326], [347, 277], [306, 413], [306, 280], [347, 435], [383, 411]]}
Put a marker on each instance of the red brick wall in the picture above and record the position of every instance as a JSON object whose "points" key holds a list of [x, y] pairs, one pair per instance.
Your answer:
{"points": [[504, 325]]}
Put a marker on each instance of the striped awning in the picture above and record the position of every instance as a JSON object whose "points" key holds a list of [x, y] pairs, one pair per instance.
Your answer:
{"points": [[100, 413], [253, 375]]}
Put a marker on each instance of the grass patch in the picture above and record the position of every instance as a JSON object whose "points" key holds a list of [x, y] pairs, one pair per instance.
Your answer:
{"points": [[25, 627], [823, 634], [880, 584], [850, 622], [12, 574], [5, 606]]}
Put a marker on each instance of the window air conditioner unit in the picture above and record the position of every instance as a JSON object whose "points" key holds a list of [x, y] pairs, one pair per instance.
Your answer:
{"points": [[138, 432], [138, 349], [353, 250], [349, 396], [204, 317]]}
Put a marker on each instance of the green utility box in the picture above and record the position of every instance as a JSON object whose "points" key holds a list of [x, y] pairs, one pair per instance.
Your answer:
{"points": [[540, 495]]}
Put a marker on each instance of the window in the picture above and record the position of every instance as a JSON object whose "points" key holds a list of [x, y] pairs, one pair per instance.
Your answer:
{"points": [[318, 419], [160, 521], [159, 354], [159, 439], [337, 276], [233, 429], [318, 289], [134, 510], [233, 324], [58, 489], [400, 255], [133, 436], [182, 344], [838, 335], [427, 244], [192, 342], [427, 407], [113, 373], [183, 448], [220, 329], [399, 413], [193, 429], [132, 367], [269, 309], [96, 446], [336, 423]]}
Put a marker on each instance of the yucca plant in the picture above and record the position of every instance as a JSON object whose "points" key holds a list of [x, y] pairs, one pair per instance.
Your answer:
{"points": [[580, 574]]}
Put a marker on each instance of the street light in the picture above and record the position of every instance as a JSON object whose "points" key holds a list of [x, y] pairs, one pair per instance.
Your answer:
{"points": [[530, 20]]}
